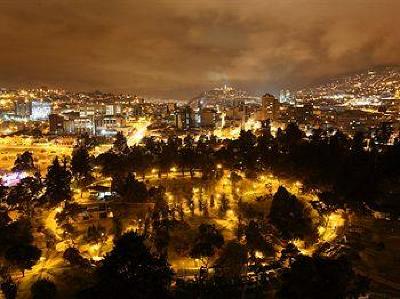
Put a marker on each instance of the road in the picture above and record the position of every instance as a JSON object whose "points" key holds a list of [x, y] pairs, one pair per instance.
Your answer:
{"points": [[137, 131]]}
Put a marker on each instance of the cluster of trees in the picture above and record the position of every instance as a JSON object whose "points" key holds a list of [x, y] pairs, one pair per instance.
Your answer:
{"points": [[184, 154], [316, 277], [16, 238], [74, 258], [33, 191], [16, 244], [293, 218], [329, 160], [207, 241], [130, 270], [16, 250]]}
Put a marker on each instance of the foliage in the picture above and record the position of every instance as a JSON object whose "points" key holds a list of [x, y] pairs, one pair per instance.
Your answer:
{"points": [[291, 216], [58, 183], [131, 271], [43, 289], [81, 165], [131, 190], [232, 259], [256, 241], [24, 196], [9, 289], [120, 143], [15, 233], [95, 234], [24, 162], [23, 256], [207, 241], [321, 278], [73, 256], [69, 212]]}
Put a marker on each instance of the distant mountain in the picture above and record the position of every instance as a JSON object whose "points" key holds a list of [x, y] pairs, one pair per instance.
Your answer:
{"points": [[377, 82]]}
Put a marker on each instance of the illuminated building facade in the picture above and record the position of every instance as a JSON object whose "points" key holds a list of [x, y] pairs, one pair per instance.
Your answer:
{"points": [[56, 124], [270, 107], [40, 110]]}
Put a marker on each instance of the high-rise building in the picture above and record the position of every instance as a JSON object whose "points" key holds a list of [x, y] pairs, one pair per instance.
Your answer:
{"points": [[113, 109], [285, 97], [34, 110], [270, 107], [40, 110], [208, 117], [23, 108], [282, 96], [56, 123], [184, 118]]}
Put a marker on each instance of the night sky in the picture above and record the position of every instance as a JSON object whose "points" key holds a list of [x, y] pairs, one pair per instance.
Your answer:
{"points": [[179, 48]]}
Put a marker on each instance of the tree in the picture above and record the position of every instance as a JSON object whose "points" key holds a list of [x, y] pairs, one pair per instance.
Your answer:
{"points": [[23, 256], [117, 227], [24, 162], [246, 143], [95, 234], [140, 160], [69, 212], [167, 156], [73, 256], [256, 241], [15, 233], [80, 166], [131, 271], [69, 231], [358, 142], [321, 278], [4, 218], [293, 136], [132, 190], [3, 192], [43, 289], [120, 144], [207, 241], [113, 164], [58, 183], [18, 197], [9, 289], [232, 259], [161, 240], [224, 204], [291, 216], [24, 196]]}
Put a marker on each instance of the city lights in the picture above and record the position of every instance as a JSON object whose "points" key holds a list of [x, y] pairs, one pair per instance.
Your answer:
{"points": [[199, 149]]}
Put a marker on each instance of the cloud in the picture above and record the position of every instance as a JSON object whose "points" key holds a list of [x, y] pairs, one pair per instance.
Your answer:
{"points": [[178, 48]]}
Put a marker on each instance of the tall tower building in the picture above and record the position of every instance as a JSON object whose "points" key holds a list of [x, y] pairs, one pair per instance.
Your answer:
{"points": [[270, 107], [282, 96]]}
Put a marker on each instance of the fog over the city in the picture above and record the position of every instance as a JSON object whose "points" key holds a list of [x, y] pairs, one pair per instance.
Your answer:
{"points": [[181, 47]]}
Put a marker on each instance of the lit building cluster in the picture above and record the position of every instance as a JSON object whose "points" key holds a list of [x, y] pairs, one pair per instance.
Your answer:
{"points": [[363, 102]]}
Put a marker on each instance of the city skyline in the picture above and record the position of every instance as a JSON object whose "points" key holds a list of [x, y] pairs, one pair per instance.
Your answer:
{"points": [[178, 49], [199, 149]]}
